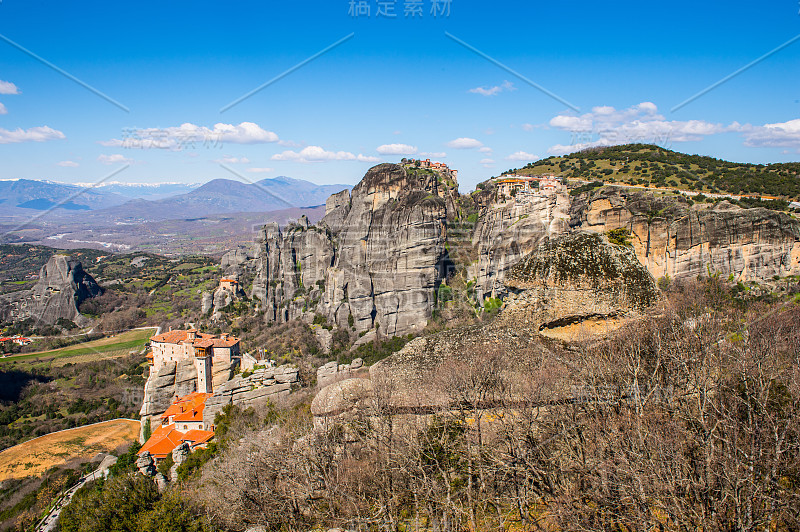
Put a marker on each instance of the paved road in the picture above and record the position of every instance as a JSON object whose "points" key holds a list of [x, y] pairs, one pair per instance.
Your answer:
{"points": [[48, 524]]}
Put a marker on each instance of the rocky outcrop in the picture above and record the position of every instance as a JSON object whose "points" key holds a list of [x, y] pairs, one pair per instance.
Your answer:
{"points": [[508, 231], [375, 259], [235, 260], [676, 240], [179, 456], [333, 371], [577, 277], [263, 385], [146, 464], [174, 379], [62, 286], [670, 237], [566, 281]]}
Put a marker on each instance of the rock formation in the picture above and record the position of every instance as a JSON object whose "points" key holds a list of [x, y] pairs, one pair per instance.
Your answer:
{"points": [[332, 372], [566, 281], [577, 277], [375, 259], [675, 240], [506, 232], [179, 455], [146, 464], [62, 286], [255, 390], [174, 379], [374, 262]]}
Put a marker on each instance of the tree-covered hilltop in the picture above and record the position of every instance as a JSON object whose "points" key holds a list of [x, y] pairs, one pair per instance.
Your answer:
{"points": [[649, 165]]}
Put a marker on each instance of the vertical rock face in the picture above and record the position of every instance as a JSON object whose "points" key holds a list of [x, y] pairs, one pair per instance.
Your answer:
{"points": [[507, 232], [377, 256], [171, 381], [670, 238], [62, 286]]}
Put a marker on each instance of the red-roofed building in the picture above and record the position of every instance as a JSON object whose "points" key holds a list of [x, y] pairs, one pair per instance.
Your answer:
{"points": [[205, 350], [182, 422]]}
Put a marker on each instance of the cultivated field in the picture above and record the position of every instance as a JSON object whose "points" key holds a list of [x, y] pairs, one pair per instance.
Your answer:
{"points": [[36, 456], [109, 347]]}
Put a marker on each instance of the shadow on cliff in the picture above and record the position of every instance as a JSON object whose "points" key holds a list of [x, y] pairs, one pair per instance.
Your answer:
{"points": [[14, 381]]}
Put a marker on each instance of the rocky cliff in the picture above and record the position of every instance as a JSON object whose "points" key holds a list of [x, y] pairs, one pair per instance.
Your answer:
{"points": [[670, 237], [62, 286], [676, 240], [374, 261], [507, 231], [573, 280]]}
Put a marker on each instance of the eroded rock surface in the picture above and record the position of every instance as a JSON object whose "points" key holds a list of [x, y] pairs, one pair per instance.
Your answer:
{"points": [[255, 390], [675, 240], [377, 255], [575, 277], [62, 286]]}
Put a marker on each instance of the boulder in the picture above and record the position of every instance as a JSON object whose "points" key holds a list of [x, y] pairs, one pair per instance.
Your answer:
{"points": [[146, 464], [576, 277]]}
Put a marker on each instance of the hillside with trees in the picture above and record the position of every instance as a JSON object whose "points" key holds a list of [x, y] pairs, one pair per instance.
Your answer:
{"points": [[688, 419], [650, 165]]}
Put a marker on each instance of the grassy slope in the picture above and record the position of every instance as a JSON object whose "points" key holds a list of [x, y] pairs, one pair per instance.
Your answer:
{"points": [[36, 456], [117, 345], [641, 164]]}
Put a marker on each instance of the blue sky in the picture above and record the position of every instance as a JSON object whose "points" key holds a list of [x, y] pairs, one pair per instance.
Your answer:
{"points": [[398, 87]]}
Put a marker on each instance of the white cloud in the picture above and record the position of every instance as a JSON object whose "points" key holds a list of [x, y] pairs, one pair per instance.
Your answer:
{"points": [[6, 87], [290, 144], [3, 110], [396, 149], [315, 154], [493, 91], [260, 170], [34, 134], [487, 163], [193, 136], [434, 154], [779, 135], [522, 156], [528, 127], [113, 159], [607, 126], [68, 164], [229, 159], [464, 143], [485, 149]]}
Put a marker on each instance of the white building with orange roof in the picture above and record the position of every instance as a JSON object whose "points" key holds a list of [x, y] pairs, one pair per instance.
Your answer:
{"points": [[182, 422], [205, 350]]}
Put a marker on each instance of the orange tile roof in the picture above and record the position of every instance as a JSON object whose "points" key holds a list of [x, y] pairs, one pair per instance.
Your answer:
{"points": [[187, 403], [163, 440], [166, 438], [198, 437], [201, 339], [172, 337]]}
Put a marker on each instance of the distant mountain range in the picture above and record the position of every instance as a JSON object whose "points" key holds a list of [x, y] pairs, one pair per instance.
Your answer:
{"points": [[119, 201], [26, 196], [148, 191]]}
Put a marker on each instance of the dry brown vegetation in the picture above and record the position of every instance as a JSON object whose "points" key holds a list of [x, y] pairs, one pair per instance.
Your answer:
{"points": [[36, 456], [687, 420]]}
